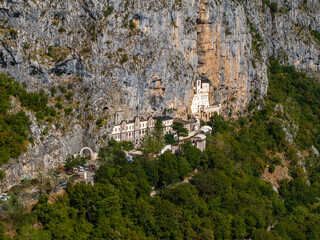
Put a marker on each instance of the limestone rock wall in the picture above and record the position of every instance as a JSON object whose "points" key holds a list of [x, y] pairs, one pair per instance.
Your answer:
{"points": [[141, 57], [235, 39], [225, 56]]}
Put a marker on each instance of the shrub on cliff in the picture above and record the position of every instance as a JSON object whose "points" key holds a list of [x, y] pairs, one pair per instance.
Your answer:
{"points": [[14, 127], [2, 174]]}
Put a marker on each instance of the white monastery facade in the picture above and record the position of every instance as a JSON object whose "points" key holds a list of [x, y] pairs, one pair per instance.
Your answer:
{"points": [[200, 105], [136, 129], [201, 97]]}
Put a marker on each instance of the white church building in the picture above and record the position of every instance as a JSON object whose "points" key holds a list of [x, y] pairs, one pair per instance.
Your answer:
{"points": [[200, 105]]}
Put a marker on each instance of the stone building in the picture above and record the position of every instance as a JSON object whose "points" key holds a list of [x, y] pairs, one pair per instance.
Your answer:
{"points": [[200, 105], [192, 124], [134, 130], [199, 141], [205, 130]]}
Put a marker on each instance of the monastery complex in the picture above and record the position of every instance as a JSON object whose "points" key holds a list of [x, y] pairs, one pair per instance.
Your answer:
{"points": [[135, 130]]}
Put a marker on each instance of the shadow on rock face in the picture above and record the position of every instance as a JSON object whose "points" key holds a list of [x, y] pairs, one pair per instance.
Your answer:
{"points": [[71, 66]]}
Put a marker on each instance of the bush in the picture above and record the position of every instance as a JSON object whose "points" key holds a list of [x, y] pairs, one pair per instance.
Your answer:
{"points": [[49, 119], [58, 54], [316, 34], [2, 174], [132, 25], [124, 59], [31, 139], [68, 110], [99, 121], [109, 11], [276, 161], [169, 138], [45, 131], [273, 7], [53, 90], [69, 95], [39, 115], [13, 33], [62, 89], [271, 168], [59, 105], [61, 29]]}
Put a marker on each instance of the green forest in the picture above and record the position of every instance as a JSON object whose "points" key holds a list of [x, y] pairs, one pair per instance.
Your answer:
{"points": [[225, 198]]}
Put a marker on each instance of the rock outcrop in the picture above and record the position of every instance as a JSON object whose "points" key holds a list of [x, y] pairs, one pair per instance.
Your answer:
{"points": [[142, 58]]}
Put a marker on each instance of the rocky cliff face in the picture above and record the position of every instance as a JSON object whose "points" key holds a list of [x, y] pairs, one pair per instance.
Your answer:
{"points": [[142, 57], [235, 39]]}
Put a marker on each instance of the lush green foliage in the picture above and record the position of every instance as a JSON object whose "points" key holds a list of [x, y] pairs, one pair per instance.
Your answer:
{"points": [[13, 135], [316, 34], [72, 161], [169, 138], [225, 199], [300, 97], [179, 129], [153, 141], [126, 145], [2, 174], [13, 127]]}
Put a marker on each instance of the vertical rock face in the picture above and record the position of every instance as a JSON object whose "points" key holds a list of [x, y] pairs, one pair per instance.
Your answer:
{"points": [[286, 31], [142, 58], [225, 57], [234, 42], [114, 46]]}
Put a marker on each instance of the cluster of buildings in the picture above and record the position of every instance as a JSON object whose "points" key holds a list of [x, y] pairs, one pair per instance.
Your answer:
{"points": [[136, 129]]}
